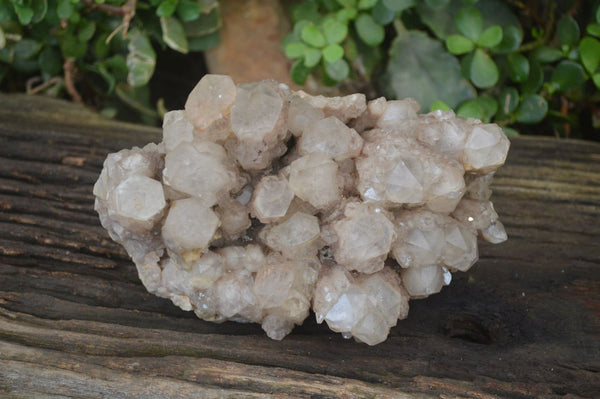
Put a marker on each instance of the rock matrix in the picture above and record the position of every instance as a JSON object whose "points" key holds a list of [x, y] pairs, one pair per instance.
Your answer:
{"points": [[261, 204]]}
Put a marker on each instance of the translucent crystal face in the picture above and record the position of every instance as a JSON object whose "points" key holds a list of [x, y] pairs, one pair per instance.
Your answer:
{"points": [[367, 206], [210, 101], [139, 198]]}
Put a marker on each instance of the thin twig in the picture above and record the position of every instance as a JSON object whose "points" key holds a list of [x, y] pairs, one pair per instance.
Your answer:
{"points": [[41, 87], [547, 32], [69, 67]]}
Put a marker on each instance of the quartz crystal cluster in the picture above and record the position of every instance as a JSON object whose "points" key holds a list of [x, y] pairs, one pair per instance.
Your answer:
{"points": [[261, 204]]}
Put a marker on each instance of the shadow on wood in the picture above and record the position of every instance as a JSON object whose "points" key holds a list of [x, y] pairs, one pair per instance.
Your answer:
{"points": [[75, 321]]}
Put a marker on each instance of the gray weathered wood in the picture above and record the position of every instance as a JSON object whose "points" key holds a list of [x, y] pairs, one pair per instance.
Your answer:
{"points": [[76, 322]]}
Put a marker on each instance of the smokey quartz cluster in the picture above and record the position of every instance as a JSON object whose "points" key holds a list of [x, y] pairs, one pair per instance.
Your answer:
{"points": [[261, 204]]}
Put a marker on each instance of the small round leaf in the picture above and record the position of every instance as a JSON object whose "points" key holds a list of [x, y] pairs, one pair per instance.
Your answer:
{"points": [[491, 37], [346, 14], [532, 110], [332, 53], [300, 72], [64, 9], [399, 5], [596, 79], [439, 105], [593, 30], [188, 10], [490, 107], [589, 51], [435, 4], [50, 61], [381, 14], [568, 75], [369, 31], [173, 34], [535, 80], [366, 4], [508, 101], [334, 30], [469, 22], [518, 67], [166, 8], [458, 44], [338, 70], [567, 31], [483, 70], [313, 36], [546, 54], [471, 109], [511, 40], [510, 132], [294, 50], [312, 56]]}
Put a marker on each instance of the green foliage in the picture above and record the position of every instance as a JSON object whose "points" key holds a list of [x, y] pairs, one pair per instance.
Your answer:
{"points": [[481, 58], [110, 46]]}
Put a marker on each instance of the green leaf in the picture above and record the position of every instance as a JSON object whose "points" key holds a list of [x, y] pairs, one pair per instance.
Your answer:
{"points": [[510, 132], [307, 11], [366, 4], [567, 31], [86, 30], [483, 71], [596, 79], [300, 72], [141, 59], [2, 38], [381, 14], [369, 31], [204, 25], [334, 30], [64, 9], [24, 13], [338, 70], [458, 44], [598, 15], [39, 8], [72, 48], [419, 67], [491, 37], [166, 8], [203, 43], [508, 102], [26, 49], [439, 105], [535, 80], [490, 106], [471, 109], [532, 110], [312, 56], [313, 36], [347, 3], [50, 61], [593, 29], [399, 5], [441, 20], [332, 53], [435, 4], [188, 10], [469, 22], [546, 54], [568, 75], [518, 67], [173, 34], [294, 50], [511, 40], [589, 51], [346, 14], [101, 48]]}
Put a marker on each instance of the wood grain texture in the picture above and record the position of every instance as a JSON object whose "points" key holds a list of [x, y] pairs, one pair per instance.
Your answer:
{"points": [[75, 321]]}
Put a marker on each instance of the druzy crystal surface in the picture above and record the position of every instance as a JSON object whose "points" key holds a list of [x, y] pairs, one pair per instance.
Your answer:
{"points": [[261, 204]]}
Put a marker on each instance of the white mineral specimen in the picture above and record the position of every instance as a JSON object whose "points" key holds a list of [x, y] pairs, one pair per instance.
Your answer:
{"points": [[368, 206]]}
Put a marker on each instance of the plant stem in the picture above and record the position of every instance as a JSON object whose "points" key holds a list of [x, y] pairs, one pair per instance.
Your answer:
{"points": [[69, 68], [547, 33]]}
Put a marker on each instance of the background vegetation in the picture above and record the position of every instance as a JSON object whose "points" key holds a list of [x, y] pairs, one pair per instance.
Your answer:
{"points": [[532, 67]]}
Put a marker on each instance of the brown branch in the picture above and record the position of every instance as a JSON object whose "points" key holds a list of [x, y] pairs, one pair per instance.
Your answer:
{"points": [[107, 8], [69, 67], [127, 11]]}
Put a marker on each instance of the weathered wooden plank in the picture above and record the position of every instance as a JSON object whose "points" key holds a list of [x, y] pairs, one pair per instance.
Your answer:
{"points": [[76, 322]]}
